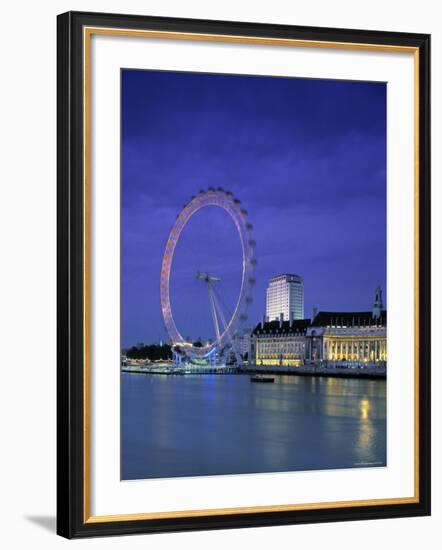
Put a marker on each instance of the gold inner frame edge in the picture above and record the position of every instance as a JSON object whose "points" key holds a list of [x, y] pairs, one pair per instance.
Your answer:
{"points": [[87, 33]]}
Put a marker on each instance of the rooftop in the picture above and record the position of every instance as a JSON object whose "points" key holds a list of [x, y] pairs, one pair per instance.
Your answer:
{"points": [[297, 326], [285, 276], [348, 318], [323, 319]]}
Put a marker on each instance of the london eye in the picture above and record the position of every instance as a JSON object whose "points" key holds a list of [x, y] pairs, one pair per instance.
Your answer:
{"points": [[226, 326]]}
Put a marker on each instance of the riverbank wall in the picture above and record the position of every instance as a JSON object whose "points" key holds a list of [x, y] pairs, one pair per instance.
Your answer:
{"points": [[312, 370], [305, 370]]}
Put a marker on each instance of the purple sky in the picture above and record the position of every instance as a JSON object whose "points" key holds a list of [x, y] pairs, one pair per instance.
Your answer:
{"points": [[307, 159]]}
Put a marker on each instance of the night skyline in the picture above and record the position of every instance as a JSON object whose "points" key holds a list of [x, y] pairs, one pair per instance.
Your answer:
{"points": [[307, 158]]}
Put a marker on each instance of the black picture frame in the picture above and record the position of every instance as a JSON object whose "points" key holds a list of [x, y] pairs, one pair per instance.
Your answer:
{"points": [[71, 498]]}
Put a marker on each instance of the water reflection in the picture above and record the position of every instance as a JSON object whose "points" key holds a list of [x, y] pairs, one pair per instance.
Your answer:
{"points": [[208, 425]]}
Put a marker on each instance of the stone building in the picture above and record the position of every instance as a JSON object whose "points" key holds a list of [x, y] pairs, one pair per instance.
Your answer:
{"points": [[331, 338], [279, 342], [350, 337]]}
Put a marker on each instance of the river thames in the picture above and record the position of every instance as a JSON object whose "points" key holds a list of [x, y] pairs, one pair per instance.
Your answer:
{"points": [[224, 424]]}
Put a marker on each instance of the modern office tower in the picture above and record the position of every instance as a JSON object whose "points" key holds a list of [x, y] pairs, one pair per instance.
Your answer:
{"points": [[285, 296]]}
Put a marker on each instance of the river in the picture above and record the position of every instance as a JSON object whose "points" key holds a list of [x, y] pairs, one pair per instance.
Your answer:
{"points": [[224, 424]]}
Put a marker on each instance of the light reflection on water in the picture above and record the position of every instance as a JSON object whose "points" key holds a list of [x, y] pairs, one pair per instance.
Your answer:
{"points": [[208, 425]]}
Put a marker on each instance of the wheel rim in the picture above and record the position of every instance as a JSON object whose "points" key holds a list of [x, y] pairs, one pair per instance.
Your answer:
{"points": [[226, 201]]}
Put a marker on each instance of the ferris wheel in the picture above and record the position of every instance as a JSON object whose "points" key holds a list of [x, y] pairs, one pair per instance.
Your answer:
{"points": [[226, 327]]}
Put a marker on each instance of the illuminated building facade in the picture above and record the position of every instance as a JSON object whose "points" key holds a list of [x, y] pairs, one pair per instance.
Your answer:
{"points": [[347, 337], [285, 295], [280, 342], [351, 338]]}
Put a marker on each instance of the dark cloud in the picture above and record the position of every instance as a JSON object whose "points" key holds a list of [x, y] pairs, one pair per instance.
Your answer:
{"points": [[306, 157]]}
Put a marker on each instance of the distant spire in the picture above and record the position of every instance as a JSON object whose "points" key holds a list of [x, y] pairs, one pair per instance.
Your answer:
{"points": [[378, 306]]}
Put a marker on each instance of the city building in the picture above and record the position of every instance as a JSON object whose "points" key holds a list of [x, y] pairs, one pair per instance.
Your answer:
{"points": [[243, 341], [279, 342], [285, 295], [349, 337], [330, 338]]}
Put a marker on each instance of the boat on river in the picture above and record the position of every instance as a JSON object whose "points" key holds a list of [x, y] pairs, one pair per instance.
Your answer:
{"points": [[261, 378]]}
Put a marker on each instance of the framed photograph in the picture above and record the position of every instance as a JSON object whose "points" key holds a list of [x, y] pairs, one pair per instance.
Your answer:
{"points": [[239, 206]]}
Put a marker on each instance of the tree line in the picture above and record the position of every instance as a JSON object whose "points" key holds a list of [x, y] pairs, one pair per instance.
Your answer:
{"points": [[153, 352]]}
